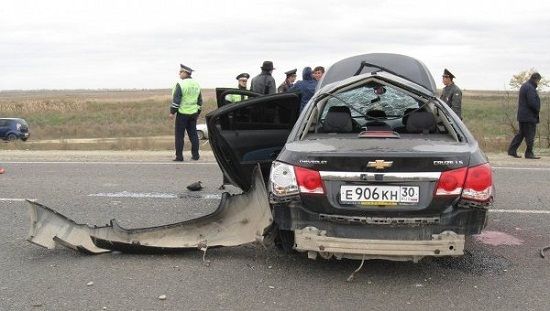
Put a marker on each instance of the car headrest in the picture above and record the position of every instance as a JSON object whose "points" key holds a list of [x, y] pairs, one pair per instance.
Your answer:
{"points": [[406, 114], [376, 113], [420, 122], [338, 120]]}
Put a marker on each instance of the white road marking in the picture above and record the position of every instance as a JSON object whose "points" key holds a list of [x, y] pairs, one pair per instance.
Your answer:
{"points": [[126, 194], [217, 196], [518, 211], [14, 199], [157, 195], [110, 162], [211, 163], [521, 168]]}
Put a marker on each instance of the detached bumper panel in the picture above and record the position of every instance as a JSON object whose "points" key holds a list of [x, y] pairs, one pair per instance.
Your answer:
{"points": [[239, 219]]}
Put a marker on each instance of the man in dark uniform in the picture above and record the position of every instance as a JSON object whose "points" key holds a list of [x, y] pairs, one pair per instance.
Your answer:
{"points": [[264, 82], [528, 117], [451, 94], [289, 81], [186, 107]]}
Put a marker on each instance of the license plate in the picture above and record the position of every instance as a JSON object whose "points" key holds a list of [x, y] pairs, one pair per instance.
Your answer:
{"points": [[379, 195]]}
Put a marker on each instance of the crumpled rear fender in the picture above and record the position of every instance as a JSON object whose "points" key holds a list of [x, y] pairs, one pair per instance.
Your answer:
{"points": [[239, 219]]}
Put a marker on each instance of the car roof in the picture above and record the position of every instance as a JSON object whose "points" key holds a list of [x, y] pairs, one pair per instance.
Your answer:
{"points": [[403, 66], [11, 119]]}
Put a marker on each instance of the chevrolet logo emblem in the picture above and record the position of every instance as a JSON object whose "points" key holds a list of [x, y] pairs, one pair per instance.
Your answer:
{"points": [[379, 164]]}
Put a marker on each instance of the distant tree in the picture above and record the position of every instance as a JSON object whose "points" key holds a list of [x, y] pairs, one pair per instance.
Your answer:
{"points": [[523, 76]]}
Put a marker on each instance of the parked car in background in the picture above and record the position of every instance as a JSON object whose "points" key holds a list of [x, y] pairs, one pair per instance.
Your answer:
{"points": [[202, 131], [12, 129]]}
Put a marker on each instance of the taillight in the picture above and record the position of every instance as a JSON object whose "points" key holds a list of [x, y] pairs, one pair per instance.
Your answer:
{"points": [[309, 181], [473, 183], [451, 182], [282, 179], [285, 179], [479, 183]]}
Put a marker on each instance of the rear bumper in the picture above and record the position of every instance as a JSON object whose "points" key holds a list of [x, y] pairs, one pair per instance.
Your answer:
{"points": [[316, 242], [466, 221], [391, 236]]}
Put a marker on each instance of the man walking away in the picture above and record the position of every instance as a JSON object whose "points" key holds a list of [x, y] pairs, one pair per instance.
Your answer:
{"points": [[528, 117], [451, 94], [289, 81], [264, 82], [186, 107]]}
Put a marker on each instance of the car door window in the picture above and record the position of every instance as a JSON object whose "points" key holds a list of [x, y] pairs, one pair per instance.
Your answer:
{"points": [[268, 116]]}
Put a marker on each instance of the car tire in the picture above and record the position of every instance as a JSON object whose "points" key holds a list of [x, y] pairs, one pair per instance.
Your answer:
{"points": [[11, 137], [24, 138], [200, 134], [284, 240]]}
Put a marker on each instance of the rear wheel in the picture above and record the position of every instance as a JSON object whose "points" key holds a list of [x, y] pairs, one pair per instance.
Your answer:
{"points": [[24, 138], [284, 240], [12, 137]]}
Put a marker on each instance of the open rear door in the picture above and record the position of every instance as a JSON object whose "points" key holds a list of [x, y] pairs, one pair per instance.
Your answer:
{"points": [[224, 95], [250, 132]]}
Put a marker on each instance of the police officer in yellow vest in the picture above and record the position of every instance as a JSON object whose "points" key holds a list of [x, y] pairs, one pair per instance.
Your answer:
{"points": [[243, 80], [186, 107]]}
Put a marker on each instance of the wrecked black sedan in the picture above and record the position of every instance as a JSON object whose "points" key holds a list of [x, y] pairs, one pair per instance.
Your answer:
{"points": [[374, 167]]}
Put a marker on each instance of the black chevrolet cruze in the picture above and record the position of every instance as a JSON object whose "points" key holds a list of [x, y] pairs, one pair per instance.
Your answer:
{"points": [[374, 167]]}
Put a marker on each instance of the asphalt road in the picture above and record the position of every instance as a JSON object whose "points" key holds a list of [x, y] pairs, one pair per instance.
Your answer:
{"points": [[502, 269]]}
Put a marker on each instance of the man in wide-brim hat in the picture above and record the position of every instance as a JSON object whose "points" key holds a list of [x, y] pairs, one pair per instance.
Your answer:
{"points": [[264, 82]]}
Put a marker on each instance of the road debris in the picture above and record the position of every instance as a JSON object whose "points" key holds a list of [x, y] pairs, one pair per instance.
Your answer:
{"points": [[352, 275], [89, 283], [162, 297], [239, 219], [196, 186], [203, 248], [542, 250]]}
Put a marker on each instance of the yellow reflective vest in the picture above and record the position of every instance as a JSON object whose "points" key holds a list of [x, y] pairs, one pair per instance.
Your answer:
{"points": [[190, 91]]}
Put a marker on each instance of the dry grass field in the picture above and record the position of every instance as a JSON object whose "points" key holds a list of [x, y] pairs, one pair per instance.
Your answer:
{"points": [[138, 119]]}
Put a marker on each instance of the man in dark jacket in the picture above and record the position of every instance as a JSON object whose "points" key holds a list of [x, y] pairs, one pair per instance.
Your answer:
{"points": [[289, 81], [451, 94], [305, 88], [264, 82], [528, 117]]}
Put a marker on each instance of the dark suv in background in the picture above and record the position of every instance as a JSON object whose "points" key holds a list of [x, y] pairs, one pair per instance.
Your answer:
{"points": [[14, 128]]}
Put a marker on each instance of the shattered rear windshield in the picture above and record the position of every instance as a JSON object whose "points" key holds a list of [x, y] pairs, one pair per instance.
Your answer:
{"points": [[373, 98]]}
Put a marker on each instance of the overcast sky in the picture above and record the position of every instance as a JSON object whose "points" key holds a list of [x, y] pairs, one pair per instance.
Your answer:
{"points": [[140, 44]]}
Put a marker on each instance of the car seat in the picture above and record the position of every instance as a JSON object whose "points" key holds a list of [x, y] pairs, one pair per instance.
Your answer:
{"points": [[421, 122], [338, 120], [377, 125]]}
